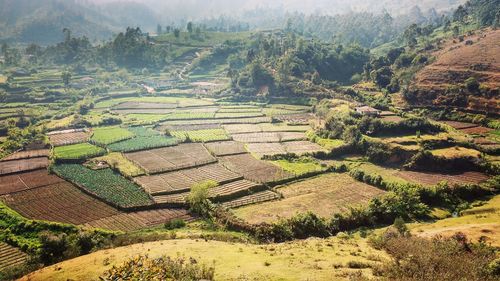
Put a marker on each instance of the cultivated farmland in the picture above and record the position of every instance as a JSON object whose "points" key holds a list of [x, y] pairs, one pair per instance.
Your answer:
{"points": [[108, 135], [10, 256], [60, 202], [27, 154], [201, 135], [123, 165], [225, 148], [253, 169], [183, 180], [26, 180], [171, 158], [323, 195], [77, 151], [14, 166], [142, 143], [269, 137], [68, 138], [105, 184], [435, 178]]}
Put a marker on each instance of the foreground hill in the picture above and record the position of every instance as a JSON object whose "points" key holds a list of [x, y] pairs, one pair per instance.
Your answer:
{"points": [[465, 73]]}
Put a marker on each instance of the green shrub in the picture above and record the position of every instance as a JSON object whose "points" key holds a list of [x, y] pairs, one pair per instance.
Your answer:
{"points": [[175, 223]]}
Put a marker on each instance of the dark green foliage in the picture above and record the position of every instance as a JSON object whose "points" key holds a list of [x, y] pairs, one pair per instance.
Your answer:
{"points": [[175, 224]]}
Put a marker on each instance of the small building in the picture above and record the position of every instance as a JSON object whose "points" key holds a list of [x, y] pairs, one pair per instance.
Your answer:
{"points": [[367, 111]]}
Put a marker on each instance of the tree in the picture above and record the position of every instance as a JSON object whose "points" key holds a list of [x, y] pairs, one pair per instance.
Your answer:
{"points": [[190, 27], [177, 33], [159, 30], [66, 78], [198, 198]]}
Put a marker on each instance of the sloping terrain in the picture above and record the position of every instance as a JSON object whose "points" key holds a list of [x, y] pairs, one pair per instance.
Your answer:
{"points": [[476, 56]]}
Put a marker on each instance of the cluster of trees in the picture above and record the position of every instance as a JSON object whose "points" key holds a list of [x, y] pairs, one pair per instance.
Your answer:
{"points": [[275, 60]]}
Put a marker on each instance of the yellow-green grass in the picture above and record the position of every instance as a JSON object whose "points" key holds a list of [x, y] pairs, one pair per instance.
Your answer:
{"points": [[299, 167], [143, 119], [3, 79], [323, 195], [456, 152], [60, 123], [122, 164], [480, 221], [328, 144], [181, 102], [312, 259], [201, 135], [108, 135], [388, 174], [78, 151]]}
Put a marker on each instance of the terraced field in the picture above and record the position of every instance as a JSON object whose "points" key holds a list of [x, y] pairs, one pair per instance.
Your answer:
{"points": [[208, 135], [60, 202], [171, 158], [323, 195], [225, 148], [254, 198], [25, 154], [269, 137], [26, 180], [11, 256], [22, 165], [183, 180], [109, 135], [68, 138], [79, 151], [253, 169]]}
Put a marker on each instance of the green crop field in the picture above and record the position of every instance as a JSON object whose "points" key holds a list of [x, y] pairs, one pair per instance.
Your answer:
{"points": [[202, 135], [122, 164], [106, 184], [142, 143], [190, 115], [78, 151], [108, 135]]}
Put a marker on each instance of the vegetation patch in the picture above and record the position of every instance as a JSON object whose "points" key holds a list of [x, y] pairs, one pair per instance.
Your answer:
{"points": [[456, 152], [105, 184], [109, 135], [77, 151], [142, 143], [201, 135], [123, 165]]}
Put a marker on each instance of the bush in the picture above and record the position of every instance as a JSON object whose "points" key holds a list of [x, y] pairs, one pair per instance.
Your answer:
{"points": [[175, 224], [164, 268], [198, 198]]}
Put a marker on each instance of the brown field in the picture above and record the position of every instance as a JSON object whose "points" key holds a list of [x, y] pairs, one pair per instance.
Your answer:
{"points": [[435, 178], [254, 198], [145, 105], [255, 120], [476, 130], [242, 128], [27, 180], [300, 118], [27, 154], [233, 189], [183, 180], [69, 138], [269, 137], [175, 199], [141, 219], [60, 202], [276, 148], [14, 166], [224, 148], [171, 158], [253, 169], [393, 118], [323, 195], [143, 111], [187, 127], [10, 256], [455, 62], [459, 125]]}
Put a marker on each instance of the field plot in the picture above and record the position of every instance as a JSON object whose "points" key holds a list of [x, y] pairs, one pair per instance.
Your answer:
{"points": [[392, 119], [476, 130], [299, 118], [11, 256], [459, 125], [242, 128], [123, 165], [183, 180], [202, 135], [268, 127], [27, 180], [78, 151], [21, 165], [240, 109], [302, 147], [143, 111], [435, 178], [142, 143], [145, 105], [253, 169], [187, 127], [255, 120], [323, 195], [301, 166], [269, 137], [60, 202], [179, 102], [456, 152], [254, 198], [69, 138], [270, 148], [105, 184], [108, 135], [27, 154], [229, 115], [189, 115], [263, 127], [225, 148], [171, 158], [233, 189], [140, 219]]}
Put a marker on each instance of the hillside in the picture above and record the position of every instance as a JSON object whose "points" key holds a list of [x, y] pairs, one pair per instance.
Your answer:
{"points": [[476, 56]]}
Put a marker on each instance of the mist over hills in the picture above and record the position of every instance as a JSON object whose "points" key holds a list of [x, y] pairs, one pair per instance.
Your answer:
{"points": [[42, 21]]}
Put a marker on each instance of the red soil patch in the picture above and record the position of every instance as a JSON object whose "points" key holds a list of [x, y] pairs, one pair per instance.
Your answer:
{"points": [[28, 180]]}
